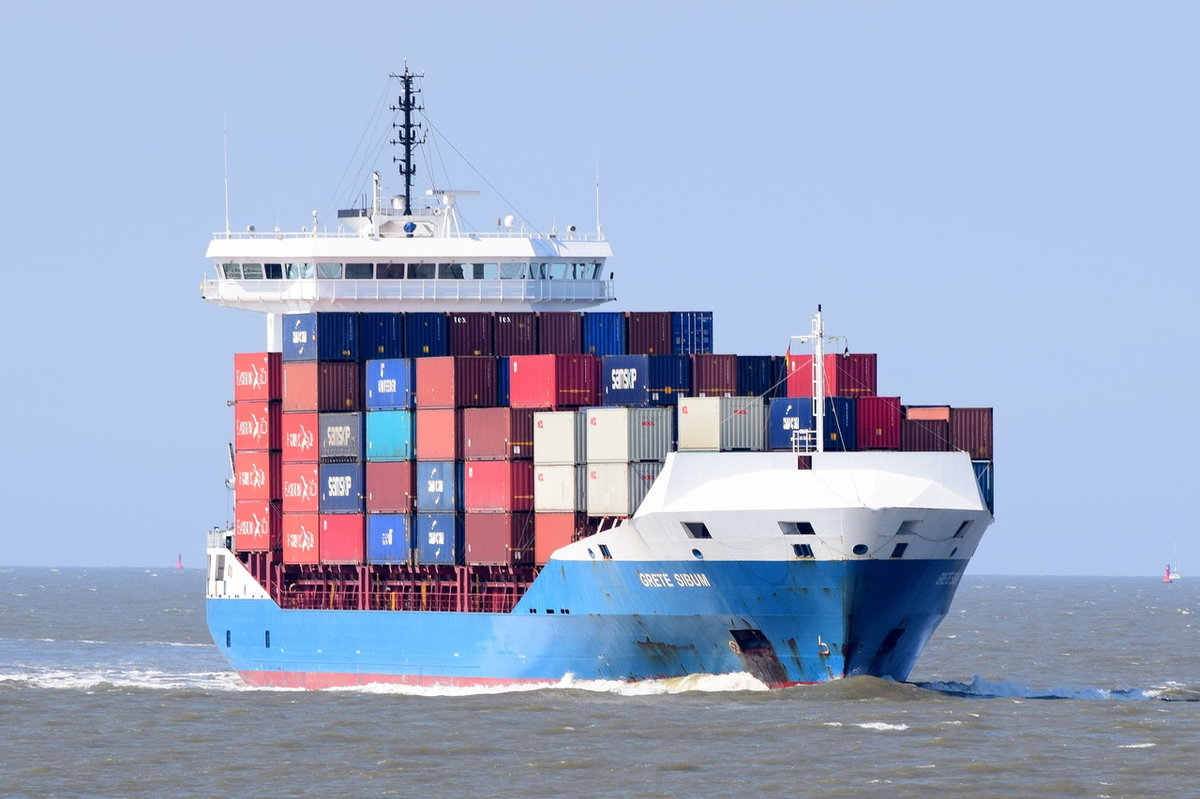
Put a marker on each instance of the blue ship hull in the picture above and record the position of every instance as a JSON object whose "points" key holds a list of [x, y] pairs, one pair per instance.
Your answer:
{"points": [[785, 622]]}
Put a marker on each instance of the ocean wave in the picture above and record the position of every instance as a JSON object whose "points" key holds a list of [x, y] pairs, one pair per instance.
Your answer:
{"points": [[693, 683], [979, 688]]}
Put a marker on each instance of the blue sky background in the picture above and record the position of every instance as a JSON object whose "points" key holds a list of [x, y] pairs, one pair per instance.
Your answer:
{"points": [[999, 198]]}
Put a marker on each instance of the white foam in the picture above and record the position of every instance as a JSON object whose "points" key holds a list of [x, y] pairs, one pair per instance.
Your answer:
{"points": [[693, 683], [1137, 746]]}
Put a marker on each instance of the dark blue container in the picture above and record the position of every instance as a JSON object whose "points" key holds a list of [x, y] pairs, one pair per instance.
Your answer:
{"points": [[389, 537], [643, 380], [340, 437], [426, 335], [439, 538], [320, 336], [342, 488], [985, 475], [691, 332], [604, 333], [502, 381], [380, 335], [390, 384], [788, 414], [761, 375], [439, 486]]}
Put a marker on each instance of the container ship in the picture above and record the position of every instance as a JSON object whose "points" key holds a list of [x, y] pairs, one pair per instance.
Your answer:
{"points": [[449, 468]]}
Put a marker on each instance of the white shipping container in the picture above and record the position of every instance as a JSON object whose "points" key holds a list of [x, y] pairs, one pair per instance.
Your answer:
{"points": [[622, 435], [559, 438], [616, 489], [559, 488], [722, 424]]}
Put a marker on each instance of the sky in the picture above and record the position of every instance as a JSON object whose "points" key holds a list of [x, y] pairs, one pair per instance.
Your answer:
{"points": [[999, 198]]}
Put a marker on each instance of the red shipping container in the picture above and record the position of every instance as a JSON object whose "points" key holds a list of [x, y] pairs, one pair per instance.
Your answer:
{"points": [[560, 333], [852, 375], [971, 431], [649, 333], [390, 487], [257, 525], [495, 434], [498, 486], [299, 437], [301, 538], [439, 434], [878, 422], [324, 386], [515, 333], [499, 538], [257, 376], [470, 333], [456, 382], [343, 538], [714, 375], [553, 381], [552, 531], [932, 413], [924, 435], [257, 475], [300, 487], [256, 426]]}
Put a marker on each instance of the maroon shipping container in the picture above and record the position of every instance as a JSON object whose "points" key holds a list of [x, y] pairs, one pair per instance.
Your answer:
{"points": [[497, 486], [515, 333], [257, 525], [499, 538], [343, 538], [300, 487], [714, 375], [391, 487], [256, 426], [853, 375], [299, 436], [456, 382], [495, 434], [649, 333], [924, 435], [560, 333], [552, 531], [257, 376], [553, 381], [470, 333], [878, 422], [258, 475], [971, 431], [439, 434], [322, 386], [301, 538]]}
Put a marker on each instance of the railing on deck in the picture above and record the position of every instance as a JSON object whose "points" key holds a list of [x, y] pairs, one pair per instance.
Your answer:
{"points": [[314, 290]]}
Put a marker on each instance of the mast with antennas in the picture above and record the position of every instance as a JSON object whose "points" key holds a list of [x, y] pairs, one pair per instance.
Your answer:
{"points": [[408, 132]]}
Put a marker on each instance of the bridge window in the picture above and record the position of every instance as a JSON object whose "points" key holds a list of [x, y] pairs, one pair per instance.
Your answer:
{"points": [[512, 271], [252, 271], [557, 271], [232, 271], [298, 271], [329, 271], [421, 271], [273, 271], [360, 271], [389, 271], [450, 271]]}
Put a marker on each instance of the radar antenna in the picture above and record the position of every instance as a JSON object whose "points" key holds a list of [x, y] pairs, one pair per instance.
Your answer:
{"points": [[409, 133]]}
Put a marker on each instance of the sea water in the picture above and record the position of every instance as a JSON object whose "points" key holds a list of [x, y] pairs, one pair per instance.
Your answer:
{"points": [[1032, 686]]}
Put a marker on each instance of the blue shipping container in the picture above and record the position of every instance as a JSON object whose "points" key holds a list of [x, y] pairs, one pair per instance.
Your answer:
{"points": [[439, 538], [426, 335], [390, 436], [380, 335], [761, 375], [643, 380], [320, 336], [439, 486], [985, 476], [389, 537], [342, 488], [604, 333], [691, 332], [789, 414], [502, 381], [390, 384]]}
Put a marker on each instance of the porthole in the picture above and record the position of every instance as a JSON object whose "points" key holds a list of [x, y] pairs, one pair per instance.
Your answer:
{"points": [[860, 549], [591, 553], [697, 554]]}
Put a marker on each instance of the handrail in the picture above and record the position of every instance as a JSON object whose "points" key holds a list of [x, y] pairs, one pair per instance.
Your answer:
{"points": [[353, 234], [312, 290]]}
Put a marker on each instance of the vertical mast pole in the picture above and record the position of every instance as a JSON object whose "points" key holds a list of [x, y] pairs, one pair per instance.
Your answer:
{"points": [[407, 139], [818, 367]]}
